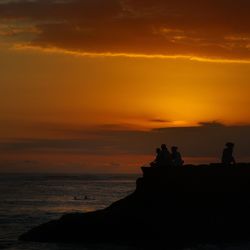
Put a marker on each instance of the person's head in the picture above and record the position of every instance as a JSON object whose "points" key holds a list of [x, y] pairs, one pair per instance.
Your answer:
{"points": [[158, 150], [229, 145], [163, 147], [174, 149]]}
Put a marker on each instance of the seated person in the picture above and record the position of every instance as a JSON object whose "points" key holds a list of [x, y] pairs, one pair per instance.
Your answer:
{"points": [[227, 156], [157, 159], [166, 159], [176, 157]]}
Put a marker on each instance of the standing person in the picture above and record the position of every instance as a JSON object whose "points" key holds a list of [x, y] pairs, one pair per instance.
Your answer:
{"points": [[166, 159], [227, 156], [176, 157]]}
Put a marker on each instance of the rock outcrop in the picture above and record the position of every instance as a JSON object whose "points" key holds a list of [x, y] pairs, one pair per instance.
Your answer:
{"points": [[178, 206]]}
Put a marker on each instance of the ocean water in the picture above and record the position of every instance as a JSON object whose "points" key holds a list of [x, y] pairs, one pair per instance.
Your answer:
{"points": [[27, 200], [31, 199]]}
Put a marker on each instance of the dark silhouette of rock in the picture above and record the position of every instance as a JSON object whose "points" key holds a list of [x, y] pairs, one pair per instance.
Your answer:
{"points": [[181, 207]]}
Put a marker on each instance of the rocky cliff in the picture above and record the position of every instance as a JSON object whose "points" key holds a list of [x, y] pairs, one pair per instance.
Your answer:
{"points": [[178, 206]]}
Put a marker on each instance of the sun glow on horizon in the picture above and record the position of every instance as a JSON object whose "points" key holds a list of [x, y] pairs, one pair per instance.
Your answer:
{"points": [[139, 92], [108, 85]]}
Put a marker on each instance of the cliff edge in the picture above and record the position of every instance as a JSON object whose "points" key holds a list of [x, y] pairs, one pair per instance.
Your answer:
{"points": [[178, 206]]}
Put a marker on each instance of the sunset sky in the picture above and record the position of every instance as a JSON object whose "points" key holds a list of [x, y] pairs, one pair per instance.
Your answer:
{"points": [[97, 85]]}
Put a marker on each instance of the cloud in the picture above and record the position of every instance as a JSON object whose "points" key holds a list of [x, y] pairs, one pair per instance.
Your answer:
{"points": [[159, 120], [206, 140], [217, 29], [212, 124]]}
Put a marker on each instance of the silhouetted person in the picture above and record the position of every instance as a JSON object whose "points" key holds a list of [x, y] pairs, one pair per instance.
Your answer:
{"points": [[157, 160], [227, 156], [176, 157], [165, 159]]}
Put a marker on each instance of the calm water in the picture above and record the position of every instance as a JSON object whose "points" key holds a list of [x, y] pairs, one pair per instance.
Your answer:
{"points": [[28, 200]]}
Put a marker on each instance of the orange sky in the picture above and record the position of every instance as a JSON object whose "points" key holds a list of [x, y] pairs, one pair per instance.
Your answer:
{"points": [[75, 73]]}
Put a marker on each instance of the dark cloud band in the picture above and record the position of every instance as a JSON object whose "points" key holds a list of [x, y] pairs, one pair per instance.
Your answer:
{"points": [[206, 140], [209, 28]]}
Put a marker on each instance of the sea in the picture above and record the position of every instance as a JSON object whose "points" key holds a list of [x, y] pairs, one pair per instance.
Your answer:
{"points": [[27, 200]]}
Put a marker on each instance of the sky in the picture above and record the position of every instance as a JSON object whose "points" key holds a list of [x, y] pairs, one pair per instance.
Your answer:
{"points": [[96, 85]]}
